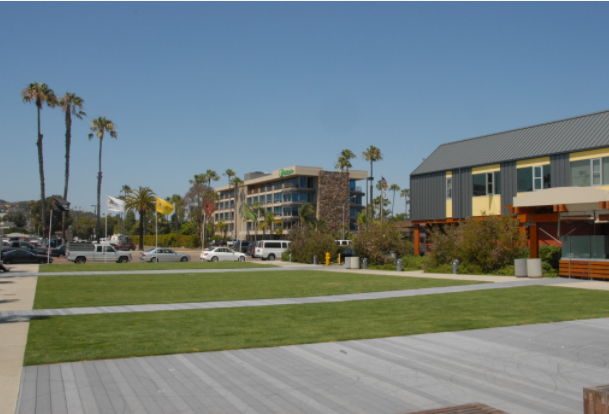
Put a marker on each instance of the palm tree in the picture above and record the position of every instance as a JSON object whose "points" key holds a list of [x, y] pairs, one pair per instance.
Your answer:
{"points": [[394, 188], [250, 212], [101, 125], [237, 182], [305, 213], [143, 201], [347, 155], [178, 202], [404, 193], [209, 175], [71, 105], [343, 163], [125, 189], [40, 93], [269, 220], [372, 154]]}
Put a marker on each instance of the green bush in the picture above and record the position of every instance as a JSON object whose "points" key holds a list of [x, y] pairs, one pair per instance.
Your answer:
{"points": [[413, 262], [388, 266], [482, 246], [550, 255], [170, 240], [307, 243], [377, 240], [285, 257]]}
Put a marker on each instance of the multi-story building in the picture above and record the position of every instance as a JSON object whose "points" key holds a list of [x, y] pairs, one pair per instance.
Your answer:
{"points": [[283, 193], [554, 177]]}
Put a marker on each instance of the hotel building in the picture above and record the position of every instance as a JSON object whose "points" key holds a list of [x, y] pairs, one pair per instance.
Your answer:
{"points": [[284, 191]]}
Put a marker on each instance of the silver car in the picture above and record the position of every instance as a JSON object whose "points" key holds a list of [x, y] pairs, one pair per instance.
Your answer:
{"points": [[163, 254]]}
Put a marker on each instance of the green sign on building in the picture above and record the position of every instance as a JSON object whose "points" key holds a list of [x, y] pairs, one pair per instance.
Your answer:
{"points": [[283, 172]]}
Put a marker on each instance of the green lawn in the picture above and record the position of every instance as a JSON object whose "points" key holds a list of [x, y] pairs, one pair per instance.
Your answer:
{"points": [[76, 338], [110, 290], [137, 265]]}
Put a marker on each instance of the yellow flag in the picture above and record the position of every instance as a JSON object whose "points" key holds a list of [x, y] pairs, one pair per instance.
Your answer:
{"points": [[163, 207]]}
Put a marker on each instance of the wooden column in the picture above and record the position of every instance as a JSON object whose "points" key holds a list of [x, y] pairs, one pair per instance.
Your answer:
{"points": [[417, 240], [534, 241], [596, 399]]}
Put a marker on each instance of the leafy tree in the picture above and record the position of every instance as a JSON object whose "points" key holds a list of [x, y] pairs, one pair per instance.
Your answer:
{"points": [[394, 188], [372, 154], [143, 201], [17, 218], [379, 239], [129, 220], [400, 217], [405, 193], [189, 228], [307, 243], [37, 216], [269, 220], [195, 201], [306, 214], [40, 94], [250, 212], [178, 213], [222, 226], [101, 125], [71, 105], [344, 160]]}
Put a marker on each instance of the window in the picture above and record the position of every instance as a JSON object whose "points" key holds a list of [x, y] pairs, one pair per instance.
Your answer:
{"points": [[287, 197], [277, 211], [256, 199], [278, 197], [533, 178], [484, 184], [303, 197], [269, 198], [303, 182], [232, 204], [249, 225], [449, 188], [249, 200], [585, 173]]}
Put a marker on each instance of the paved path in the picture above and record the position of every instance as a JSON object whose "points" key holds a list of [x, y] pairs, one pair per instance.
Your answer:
{"points": [[522, 370], [8, 315]]}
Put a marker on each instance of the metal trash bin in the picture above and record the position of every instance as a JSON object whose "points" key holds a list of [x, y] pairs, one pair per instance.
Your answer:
{"points": [[353, 263], [534, 268], [520, 267]]}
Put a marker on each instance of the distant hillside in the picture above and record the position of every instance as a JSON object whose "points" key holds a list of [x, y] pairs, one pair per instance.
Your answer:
{"points": [[6, 206]]}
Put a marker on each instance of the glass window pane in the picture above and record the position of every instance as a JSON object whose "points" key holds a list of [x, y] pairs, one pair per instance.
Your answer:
{"points": [[547, 177], [449, 188], [537, 184], [489, 183], [606, 170], [596, 171], [479, 184], [498, 182], [525, 179], [580, 173]]}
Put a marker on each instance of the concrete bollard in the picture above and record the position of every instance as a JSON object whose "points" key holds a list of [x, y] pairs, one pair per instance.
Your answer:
{"points": [[455, 266], [365, 263], [290, 257], [399, 265], [314, 260]]}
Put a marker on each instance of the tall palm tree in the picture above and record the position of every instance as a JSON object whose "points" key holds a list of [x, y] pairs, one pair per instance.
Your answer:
{"points": [[372, 154], [404, 193], [101, 125], [125, 189], [269, 220], [343, 163], [229, 173], [347, 155], [250, 212], [209, 175], [40, 93], [71, 105], [143, 201], [178, 202], [306, 213], [394, 188], [237, 182]]}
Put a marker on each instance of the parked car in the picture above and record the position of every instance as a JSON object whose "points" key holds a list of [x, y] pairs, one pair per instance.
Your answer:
{"points": [[251, 250], [83, 252], [59, 251], [230, 242], [222, 254], [271, 249], [124, 247], [241, 246], [20, 256], [344, 242], [163, 254], [348, 252], [23, 245]]}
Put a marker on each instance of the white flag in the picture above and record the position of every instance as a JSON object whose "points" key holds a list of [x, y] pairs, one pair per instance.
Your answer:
{"points": [[115, 204]]}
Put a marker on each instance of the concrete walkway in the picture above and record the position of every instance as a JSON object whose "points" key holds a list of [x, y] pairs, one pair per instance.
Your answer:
{"points": [[521, 370], [11, 315]]}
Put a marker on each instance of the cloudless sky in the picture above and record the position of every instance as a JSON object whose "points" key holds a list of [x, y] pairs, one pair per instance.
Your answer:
{"points": [[262, 86]]}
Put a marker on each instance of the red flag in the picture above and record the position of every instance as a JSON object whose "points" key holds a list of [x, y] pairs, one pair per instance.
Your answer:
{"points": [[209, 209]]}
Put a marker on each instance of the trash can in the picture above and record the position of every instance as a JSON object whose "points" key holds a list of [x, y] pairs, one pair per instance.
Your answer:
{"points": [[354, 262], [520, 267], [534, 268]]}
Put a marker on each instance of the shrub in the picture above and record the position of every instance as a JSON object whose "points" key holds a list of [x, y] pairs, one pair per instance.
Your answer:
{"points": [[170, 240], [482, 246], [412, 262], [307, 243], [551, 255], [285, 257], [377, 240]]}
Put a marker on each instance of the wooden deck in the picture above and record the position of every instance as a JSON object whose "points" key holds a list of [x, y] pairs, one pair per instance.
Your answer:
{"points": [[474, 408], [593, 269]]}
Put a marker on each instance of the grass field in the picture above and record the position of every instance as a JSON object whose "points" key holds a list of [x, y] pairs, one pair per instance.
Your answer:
{"points": [[111, 290], [75, 338], [137, 265]]}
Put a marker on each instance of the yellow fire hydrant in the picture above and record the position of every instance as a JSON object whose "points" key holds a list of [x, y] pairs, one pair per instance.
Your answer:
{"points": [[327, 259]]}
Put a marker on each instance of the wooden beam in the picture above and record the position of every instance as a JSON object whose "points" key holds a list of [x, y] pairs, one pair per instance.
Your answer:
{"points": [[534, 241], [417, 240]]}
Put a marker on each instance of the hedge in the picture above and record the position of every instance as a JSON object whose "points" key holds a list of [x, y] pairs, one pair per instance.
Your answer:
{"points": [[170, 240]]}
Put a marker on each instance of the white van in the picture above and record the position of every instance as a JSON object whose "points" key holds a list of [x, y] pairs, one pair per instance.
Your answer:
{"points": [[271, 249], [344, 242]]}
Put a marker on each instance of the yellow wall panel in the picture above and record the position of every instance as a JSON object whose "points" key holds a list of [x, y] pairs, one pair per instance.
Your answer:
{"points": [[583, 155], [449, 174], [489, 205], [532, 161], [449, 208], [486, 169]]}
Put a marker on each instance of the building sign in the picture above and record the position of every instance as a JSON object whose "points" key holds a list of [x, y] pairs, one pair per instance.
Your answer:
{"points": [[283, 172]]}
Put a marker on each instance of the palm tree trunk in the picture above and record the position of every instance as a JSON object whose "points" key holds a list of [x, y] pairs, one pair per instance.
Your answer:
{"points": [[141, 244], [371, 194], [393, 205], [99, 181], [64, 215], [43, 218]]}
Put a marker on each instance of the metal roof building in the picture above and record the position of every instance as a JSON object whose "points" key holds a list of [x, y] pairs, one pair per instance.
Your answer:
{"points": [[567, 135]]}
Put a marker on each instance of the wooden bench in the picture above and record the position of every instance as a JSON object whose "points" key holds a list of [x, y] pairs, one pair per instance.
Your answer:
{"points": [[583, 268], [472, 408], [596, 400]]}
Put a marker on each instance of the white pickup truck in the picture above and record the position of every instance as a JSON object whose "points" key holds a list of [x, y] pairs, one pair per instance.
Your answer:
{"points": [[89, 252]]}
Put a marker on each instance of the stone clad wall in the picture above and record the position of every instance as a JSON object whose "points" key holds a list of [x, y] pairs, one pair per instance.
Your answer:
{"points": [[333, 191]]}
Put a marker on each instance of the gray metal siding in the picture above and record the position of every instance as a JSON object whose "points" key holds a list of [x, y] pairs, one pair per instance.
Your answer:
{"points": [[558, 137], [463, 190], [428, 197], [509, 185], [560, 170]]}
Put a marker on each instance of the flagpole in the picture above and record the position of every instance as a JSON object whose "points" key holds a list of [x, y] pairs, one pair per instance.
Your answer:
{"points": [[156, 236], [104, 247]]}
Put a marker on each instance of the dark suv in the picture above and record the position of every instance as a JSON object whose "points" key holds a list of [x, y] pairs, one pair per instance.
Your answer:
{"points": [[241, 246]]}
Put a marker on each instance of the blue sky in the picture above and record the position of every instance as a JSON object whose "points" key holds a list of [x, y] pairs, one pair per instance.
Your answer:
{"points": [[262, 86]]}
